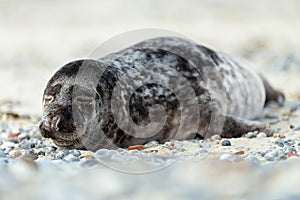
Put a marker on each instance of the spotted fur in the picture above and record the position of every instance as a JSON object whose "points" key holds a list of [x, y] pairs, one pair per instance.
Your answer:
{"points": [[153, 72]]}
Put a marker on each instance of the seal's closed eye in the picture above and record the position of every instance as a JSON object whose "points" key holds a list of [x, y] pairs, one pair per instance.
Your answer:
{"points": [[84, 100]]}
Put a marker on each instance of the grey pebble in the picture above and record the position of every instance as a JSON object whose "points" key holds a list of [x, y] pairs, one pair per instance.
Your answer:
{"points": [[75, 152], [71, 158], [279, 143], [200, 152], [269, 156], [60, 155], [250, 135], [271, 116], [2, 154], [226, 143], [297, 128], [89, 163], [105, 153], [274, 122], [252, 159], [290, 150]]}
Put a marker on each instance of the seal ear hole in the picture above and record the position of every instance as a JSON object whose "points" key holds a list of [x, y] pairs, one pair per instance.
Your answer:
{"points": [[48, 99]]}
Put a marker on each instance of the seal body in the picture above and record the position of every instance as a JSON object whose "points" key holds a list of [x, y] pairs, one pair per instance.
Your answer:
{"points": [[160, 89]]}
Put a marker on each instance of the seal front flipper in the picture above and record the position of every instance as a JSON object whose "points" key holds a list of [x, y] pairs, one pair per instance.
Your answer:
{"points": [[272, 95], [236, 127]]}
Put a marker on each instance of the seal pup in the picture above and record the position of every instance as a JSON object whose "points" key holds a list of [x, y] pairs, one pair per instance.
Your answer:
{"points": [[109, 102]]}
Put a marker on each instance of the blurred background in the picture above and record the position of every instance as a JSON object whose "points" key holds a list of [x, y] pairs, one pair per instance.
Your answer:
{"points": [[37, 37]]}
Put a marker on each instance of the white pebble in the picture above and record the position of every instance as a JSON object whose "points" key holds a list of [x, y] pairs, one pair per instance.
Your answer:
{"points": [[261, 135], [250, 135], [6, 145], [226, 156]]}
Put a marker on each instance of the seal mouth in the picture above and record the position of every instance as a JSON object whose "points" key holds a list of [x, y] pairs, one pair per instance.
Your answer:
{"points": [[68, 144]]}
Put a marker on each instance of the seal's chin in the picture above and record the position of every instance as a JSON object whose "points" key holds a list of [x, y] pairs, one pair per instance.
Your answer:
{"points": [[69, 144]]}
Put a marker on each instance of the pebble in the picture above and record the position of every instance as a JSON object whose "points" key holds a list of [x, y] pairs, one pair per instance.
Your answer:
{"points": [[297, 127], [151, 144], [7, 145], [250, 135], [226, 143], [15, 153], [2, 154], [228, 157], [71, 158], [290, 150], [279, 143], [215, 137], [273, 122], [60, 155], [271, 116], [269, 156], [261, 135], [89, 163]]}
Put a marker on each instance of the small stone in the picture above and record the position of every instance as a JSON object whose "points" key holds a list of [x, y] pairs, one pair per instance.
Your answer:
{"points": [[250, 135], [75, 152], [2, 154], [291, 126], [261, 135], [269, 156], [71, 158], [151, 144], [90, 163], [276, 121], [166, 153], [271, 116], [279, 143], [23, 135], [297, 128], [226, 143], [215, 137], [60, 155], [11, 135], [138, 147], [290, 150], [15, 153], [292, 154], [230, 157], [200, 152], [239, 152], [281, 135], [7, 145], [101, 153]]}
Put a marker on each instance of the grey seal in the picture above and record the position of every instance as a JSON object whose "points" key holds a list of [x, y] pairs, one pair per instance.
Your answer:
{"points": [[201, 92]]}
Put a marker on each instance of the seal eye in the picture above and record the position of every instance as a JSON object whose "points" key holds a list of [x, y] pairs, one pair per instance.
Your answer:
{"points": [[85, 100], [48, 99]]}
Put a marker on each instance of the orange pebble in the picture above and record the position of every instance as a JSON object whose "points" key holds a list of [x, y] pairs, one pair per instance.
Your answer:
{"points": [[239, 153], [88, 156], [292, 154], [138, 147], [11, 135]]}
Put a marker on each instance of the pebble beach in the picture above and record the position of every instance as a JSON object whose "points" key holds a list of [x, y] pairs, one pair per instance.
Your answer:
{"points": [[251, 167]]}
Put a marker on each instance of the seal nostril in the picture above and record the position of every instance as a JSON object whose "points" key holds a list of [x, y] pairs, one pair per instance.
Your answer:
{"points": [[51, 123]]}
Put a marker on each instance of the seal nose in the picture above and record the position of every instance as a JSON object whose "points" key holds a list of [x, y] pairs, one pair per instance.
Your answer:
{"points": [[49, 125]]}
